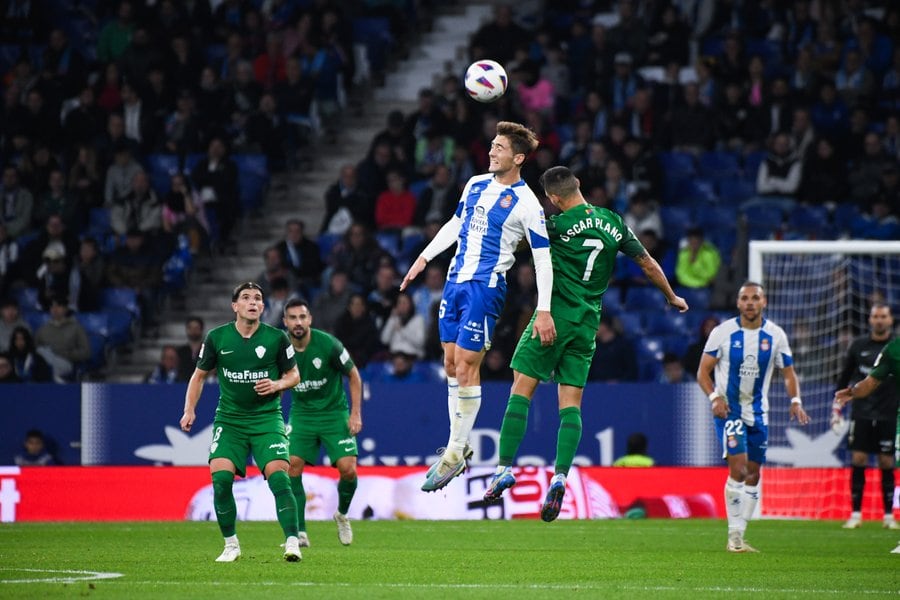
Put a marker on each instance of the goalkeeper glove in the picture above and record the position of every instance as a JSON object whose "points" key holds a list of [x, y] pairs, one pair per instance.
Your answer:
{"points": [[837, 419]]}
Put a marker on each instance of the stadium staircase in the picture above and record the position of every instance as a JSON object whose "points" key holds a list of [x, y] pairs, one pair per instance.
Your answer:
{"points": [[300, 193]]}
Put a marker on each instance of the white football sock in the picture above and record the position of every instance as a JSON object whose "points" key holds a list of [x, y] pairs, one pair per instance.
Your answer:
{"points": [[466, 411], [231, 539], [452, 401], [734, 495], [750, 500]]}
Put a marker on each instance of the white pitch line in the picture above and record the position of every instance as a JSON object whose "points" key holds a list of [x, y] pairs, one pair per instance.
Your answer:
{"points": [[86, 575]]}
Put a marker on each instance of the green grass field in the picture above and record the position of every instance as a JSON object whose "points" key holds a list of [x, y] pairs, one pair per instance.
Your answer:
{"points": [[471, 559]]}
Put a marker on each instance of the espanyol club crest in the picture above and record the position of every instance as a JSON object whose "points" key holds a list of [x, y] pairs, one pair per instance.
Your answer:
{"points": [[260, 351], [317, 362], [764, 345], [505, 201]]}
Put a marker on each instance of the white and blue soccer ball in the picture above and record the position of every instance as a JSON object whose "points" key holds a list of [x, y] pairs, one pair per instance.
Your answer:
{"points": [[486, 80]]}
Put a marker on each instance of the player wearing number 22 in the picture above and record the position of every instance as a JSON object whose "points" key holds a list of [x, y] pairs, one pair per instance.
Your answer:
{"points": [[744, 352], [584, 242]]}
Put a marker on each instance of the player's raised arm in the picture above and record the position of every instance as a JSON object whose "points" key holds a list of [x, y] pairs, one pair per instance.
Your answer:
{"points": [[446, 237], [655, 274]]}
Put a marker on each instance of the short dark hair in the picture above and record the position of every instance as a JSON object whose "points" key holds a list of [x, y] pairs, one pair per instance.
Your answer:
{"points": [[636, 444], [523, 140], [559, 181], [750, 283], [247, 285], [195, 319], [294, 303]]}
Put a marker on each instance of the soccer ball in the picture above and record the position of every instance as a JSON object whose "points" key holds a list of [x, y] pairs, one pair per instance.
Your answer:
{"points": [[485, 80]]}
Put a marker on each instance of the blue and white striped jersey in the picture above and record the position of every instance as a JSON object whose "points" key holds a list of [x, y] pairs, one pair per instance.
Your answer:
{"points": [[746, 361], [495, 217]]}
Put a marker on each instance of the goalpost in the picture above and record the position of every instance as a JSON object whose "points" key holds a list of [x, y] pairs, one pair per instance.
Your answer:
{"points": [[820, 293]]}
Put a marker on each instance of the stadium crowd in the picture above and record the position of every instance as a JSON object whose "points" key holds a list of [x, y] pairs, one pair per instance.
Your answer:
{"points": [[131, 133]]}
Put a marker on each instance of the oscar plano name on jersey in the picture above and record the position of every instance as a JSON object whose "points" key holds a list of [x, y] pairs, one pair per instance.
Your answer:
{"points": [[591, 223]]}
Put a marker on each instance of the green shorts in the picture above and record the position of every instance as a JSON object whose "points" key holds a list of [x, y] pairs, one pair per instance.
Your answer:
{"points": [[308, 434], [567, 361], [266, 442]]}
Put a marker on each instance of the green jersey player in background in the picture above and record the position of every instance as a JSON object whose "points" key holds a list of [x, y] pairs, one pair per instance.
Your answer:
{"points": [[887, 364], [584, 241], [319, 415], [254, 363]]}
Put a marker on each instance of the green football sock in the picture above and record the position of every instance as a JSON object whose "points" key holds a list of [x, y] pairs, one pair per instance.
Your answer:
{"points": [[300, 497], [512, 430], [346, 489], [223, 501], [568, 437], [285, 503]]}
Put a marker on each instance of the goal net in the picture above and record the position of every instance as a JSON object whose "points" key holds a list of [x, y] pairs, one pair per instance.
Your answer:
{"points": [[820, 293]]}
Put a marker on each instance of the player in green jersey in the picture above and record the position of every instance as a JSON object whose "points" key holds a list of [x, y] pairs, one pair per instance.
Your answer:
{"points": [[319, 415], [886, 365], [254, 363], [584, 241]]}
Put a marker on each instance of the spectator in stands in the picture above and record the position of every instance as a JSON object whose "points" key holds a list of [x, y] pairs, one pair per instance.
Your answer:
{"points": [[57, 200], [732, 119], [7, 372], [183, 213], [829, 113], [116, 35], [10, 320], [691, 358], [35, 451], [190, 351], [280, 293], [64, 62], [86, 120], [275, 267], [426, 118], [265, 132], [623, 85], [359, 255], [383, 295], [54, 278], [854, 82], [779, 107], [395, 207], [629, 34], [216, 177], [438, 200], [330, 303], [824, 179], [670, 38], [29, 366], [108, 143], [372, 171], [32, 257], [804, 77], [18, 203], [301, 255], [404, 330], [643, 214], [402, 370], [779, 175], [433, 150], [182, 61], [498, 38], [139, 209], [9, 260], [356, 329], [635, 452], [614, 357], [120, 175], [865, 173], [689, 128], [346, 203], [62, 341], [496, 366], [533, 93], [182, 130], [84, 179], [135, 265], [166, 371], [802, 132], [672, 370], [617, 187], [698, 261], [397, 136], [425, 295]]}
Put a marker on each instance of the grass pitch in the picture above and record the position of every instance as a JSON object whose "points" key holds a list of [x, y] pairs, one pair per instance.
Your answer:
{"points": [[455, 559]]}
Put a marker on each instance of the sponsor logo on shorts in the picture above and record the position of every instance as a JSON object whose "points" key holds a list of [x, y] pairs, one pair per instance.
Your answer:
{"points": [[732, 442], [282, 445]]}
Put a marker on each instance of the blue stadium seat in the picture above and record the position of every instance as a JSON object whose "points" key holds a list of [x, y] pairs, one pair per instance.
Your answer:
{"points": [[718, 165], [763, 219], [612, 302], [409, 244], [677, 343], [327, 241], [98, 223], [375, 34], [191, 161], [417, 187], [810, 221], [676, 220], [98, 353], [94, 322], [736, 190], [645, 298], [650, 347], [697, 192], [389, 242], [121, 297], [697, 298], [677, 163], [253, 179], [35, 318], [667, 323], [120, 324], [724, 239], [632, 324], [160, 168], [723, 216], [752, 162], [27, 299]]}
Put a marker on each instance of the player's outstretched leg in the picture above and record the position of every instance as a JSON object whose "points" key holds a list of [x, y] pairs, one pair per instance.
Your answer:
{"points": [[444, 471], [502, 480], [468, 453], [345, 532], [553, 500], [232, 550]]}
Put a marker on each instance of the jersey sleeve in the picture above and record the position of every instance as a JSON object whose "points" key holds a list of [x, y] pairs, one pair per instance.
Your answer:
{"points": [[714, 342], [630, 245], [206, 360], [286, 360], [784, 357], [536, 226], [887, 362], [340, 357]]}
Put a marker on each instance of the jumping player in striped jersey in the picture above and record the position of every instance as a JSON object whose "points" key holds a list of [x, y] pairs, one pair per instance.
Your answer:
{"points": [[495, 212], [744, 352]]}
